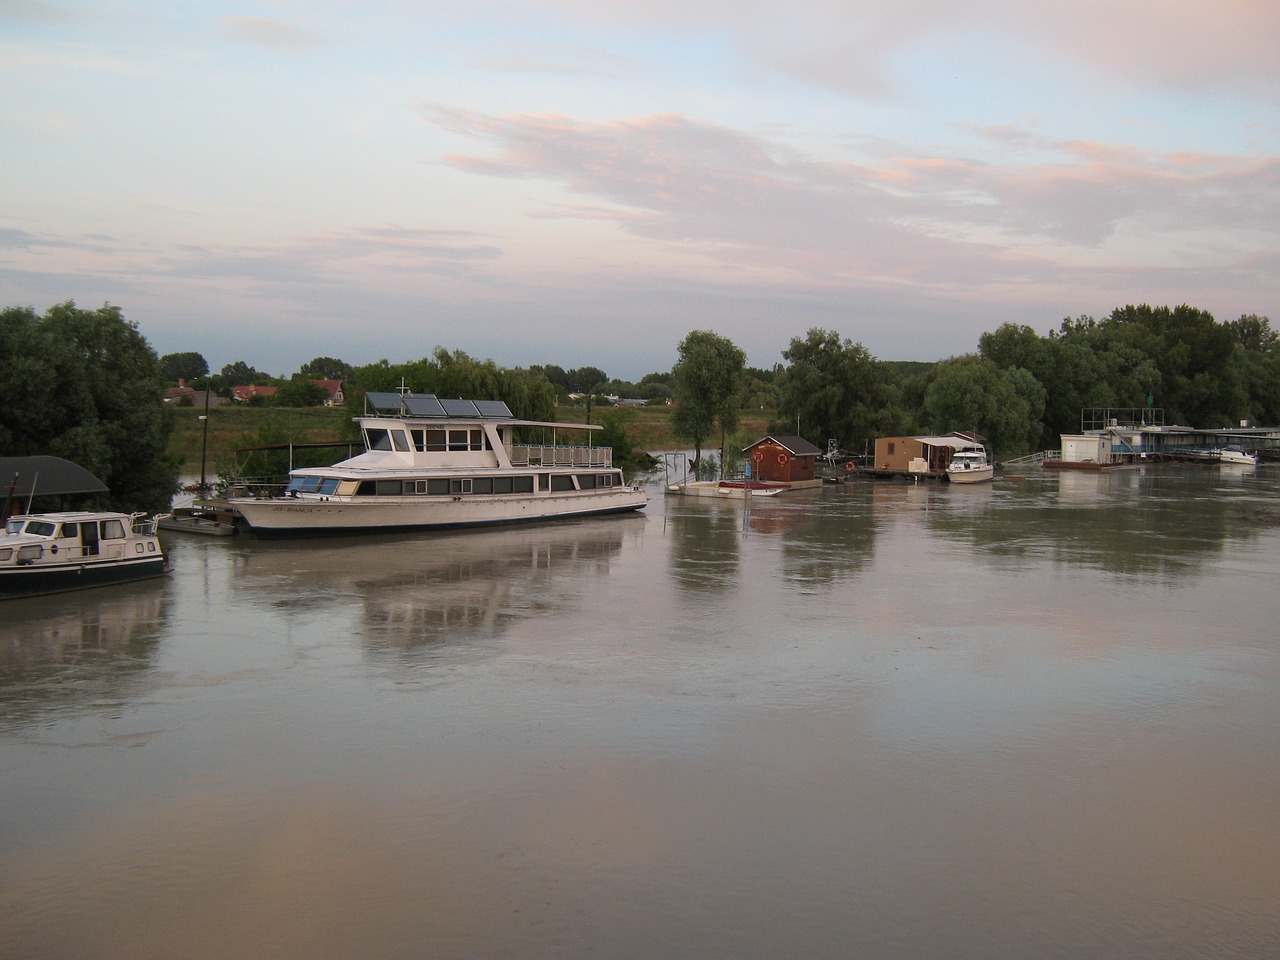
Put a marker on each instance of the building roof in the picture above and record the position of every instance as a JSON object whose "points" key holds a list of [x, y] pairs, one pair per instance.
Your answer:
{"points": [[796, 446], [49, 476]]}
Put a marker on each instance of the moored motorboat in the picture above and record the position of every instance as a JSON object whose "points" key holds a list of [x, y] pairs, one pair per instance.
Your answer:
{"points": [[432, 463], [970, 465], [199, 518], [44, 553], [733, 489], [1235, 456]]}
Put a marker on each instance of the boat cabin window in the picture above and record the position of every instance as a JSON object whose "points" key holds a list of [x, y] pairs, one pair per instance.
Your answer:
{"points": [[376, 439], [561, 482], [461, 485], [70, 531], [483, 485], [586, 481], [112, 530], [544, 481], [322, 485], [30, 553], [41, 528], [6, 554], [13, 526], [437, 440], [459, 440], [388, 488], [400, 440]]}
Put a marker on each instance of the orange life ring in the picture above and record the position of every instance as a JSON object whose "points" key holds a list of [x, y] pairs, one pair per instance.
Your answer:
{"points": [[849, 466], [782, 459], [757, 456]]}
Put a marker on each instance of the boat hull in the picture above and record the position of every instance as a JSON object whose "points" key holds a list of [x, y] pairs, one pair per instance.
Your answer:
{"points": [[39, 580], [282, 517], [976, 475]]}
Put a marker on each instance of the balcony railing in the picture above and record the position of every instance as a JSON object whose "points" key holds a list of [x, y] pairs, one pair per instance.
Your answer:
{"points": [[559, 455]]}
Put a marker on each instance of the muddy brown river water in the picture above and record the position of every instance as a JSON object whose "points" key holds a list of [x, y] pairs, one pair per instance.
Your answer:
{"points": [[1033, 719]]}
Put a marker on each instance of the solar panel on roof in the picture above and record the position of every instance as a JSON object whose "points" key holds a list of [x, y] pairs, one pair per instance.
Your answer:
{"points": [[460, 408], [423, 405], [495, 409], [384, 402]]}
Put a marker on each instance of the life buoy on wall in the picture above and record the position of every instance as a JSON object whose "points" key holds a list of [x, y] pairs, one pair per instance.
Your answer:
{"points": [[849, 467], [757, 456], [782, 459]]}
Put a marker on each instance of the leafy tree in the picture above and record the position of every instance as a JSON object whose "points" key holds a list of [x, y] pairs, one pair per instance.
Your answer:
{"points": [[1198, 383], [836, 390], [300, 391], [972, 393], [240, 374], [1257, 358], [183, 366], [585, 379], [86, 386], [326, 368], [708, 380]]}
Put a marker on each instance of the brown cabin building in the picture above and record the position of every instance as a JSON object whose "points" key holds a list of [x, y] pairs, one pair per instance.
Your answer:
{"points": [[783, 459], [926, 456]]}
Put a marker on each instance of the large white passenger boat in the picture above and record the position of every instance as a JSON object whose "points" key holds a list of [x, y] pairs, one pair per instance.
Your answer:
{"points": [[432, 463]]}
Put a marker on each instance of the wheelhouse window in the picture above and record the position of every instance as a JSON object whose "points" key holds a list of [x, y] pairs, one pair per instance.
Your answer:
{"points": [[400, 441], [112, 530], [376, 439], [42, 528], [560, 482], [437, 440], [586, 481]]}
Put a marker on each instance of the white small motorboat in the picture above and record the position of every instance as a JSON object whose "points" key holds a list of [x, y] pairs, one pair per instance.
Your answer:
{"points": [[970, 465], [54, 552], [1234, 456]]}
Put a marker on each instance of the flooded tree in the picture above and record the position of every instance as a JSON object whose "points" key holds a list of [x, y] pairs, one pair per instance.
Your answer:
{"points": [[708, 381]]}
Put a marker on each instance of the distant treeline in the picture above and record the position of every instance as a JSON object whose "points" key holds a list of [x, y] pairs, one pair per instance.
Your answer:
{"points": [[1020, 389]]}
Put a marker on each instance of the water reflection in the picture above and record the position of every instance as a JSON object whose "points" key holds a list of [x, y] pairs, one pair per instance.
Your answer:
{"points": [[77, 649], [1132, 523], [417, 593], [872, 720], [704, 537]]}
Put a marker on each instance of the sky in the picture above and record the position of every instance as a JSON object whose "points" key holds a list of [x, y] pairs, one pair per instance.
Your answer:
{"points": [[578, 182]]}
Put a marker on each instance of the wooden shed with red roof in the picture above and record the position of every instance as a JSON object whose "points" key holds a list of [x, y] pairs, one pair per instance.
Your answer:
{"points": [[791, 460]]}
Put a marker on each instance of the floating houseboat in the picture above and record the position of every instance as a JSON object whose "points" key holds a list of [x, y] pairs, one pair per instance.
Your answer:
{"points": [[436, 463]]}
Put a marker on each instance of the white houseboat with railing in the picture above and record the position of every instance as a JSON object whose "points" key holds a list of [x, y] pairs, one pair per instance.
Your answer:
{"points": [[435, 463]]}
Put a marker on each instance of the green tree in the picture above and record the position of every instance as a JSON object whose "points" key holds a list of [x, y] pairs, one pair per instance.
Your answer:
{"points": [[1257, 357], [972, 393], [240, 374], [585, 379], [835, 389], [708, 389], [183, 366], [86, 386], [1199, 385], [326, 368], [300, 391]]}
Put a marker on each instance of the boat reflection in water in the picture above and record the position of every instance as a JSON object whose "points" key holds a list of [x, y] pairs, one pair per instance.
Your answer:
{"points": [[440, 588], [77, 649]]}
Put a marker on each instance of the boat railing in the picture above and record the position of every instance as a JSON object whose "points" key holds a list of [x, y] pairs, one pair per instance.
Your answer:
{"points": [[560, 455], [143, 525]]}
